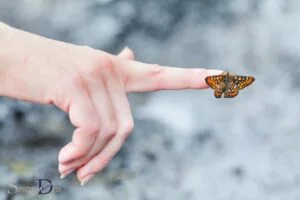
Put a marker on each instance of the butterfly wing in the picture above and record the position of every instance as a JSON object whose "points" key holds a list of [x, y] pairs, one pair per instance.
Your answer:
{"points": [[214, 81], [242, 81], [237, 83], [217, 83], [218, 94]]}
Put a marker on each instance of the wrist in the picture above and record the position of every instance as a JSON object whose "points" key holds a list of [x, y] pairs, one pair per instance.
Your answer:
{"points": [[11, 58], [4, 56]]}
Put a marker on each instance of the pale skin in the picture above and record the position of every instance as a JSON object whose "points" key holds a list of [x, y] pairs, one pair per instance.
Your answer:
{"points": [[90, 85]]}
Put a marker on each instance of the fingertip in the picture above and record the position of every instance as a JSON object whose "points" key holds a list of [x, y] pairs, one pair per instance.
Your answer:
{"points": [[66, 173], [84, 171], [213, 72]]}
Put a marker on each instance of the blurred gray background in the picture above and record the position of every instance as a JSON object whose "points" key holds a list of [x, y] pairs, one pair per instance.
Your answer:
{"points": [[186, 144]]}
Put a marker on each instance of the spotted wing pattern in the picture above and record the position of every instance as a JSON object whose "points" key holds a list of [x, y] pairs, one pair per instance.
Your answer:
{"points": [[228, 84], [214, 81], [241, 81], [236, 83], [217, 83], [218, 94]]}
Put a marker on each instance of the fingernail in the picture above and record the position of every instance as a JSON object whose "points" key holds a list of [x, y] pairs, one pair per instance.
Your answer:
{"points": [[86, 179], [215, 72], [63, 175]]}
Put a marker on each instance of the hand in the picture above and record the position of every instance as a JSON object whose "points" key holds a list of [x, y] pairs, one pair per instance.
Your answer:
{"points": [[90, 85], [92, 149]]}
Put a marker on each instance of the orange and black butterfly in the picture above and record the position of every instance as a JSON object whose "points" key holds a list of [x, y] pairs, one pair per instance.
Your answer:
{"points": [[228, 84]]}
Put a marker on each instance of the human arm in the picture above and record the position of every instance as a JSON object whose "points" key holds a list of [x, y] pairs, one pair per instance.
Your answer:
{"points": [[89, 84]]}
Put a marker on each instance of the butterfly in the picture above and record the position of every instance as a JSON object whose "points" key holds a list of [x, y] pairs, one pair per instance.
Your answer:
{"points": [[229, 84]]}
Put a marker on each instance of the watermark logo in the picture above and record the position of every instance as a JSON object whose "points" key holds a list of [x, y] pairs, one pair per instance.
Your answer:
{"points": [[44, 186]]}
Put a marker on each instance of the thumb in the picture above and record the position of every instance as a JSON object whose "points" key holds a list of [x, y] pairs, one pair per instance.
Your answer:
{"points": [[126, 53]]}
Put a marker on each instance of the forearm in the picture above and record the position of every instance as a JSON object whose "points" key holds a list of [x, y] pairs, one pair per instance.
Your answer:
{"points": [[23, 59], [18, 56], [11, 58]]}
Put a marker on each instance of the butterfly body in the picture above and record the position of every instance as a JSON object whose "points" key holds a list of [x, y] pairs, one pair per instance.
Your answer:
{"points": [[228, 84]]}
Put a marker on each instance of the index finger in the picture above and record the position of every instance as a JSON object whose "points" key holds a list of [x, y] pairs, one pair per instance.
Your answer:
{"points": [[142, 77]]}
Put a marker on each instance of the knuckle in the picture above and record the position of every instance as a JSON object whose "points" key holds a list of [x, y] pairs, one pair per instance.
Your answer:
{"points": [[102, 64], [103, 161], [93, 128], [127, 127], [93, 70], [157, 85], [109, 131], [155, 70], [188, 79], [155, 73]]}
